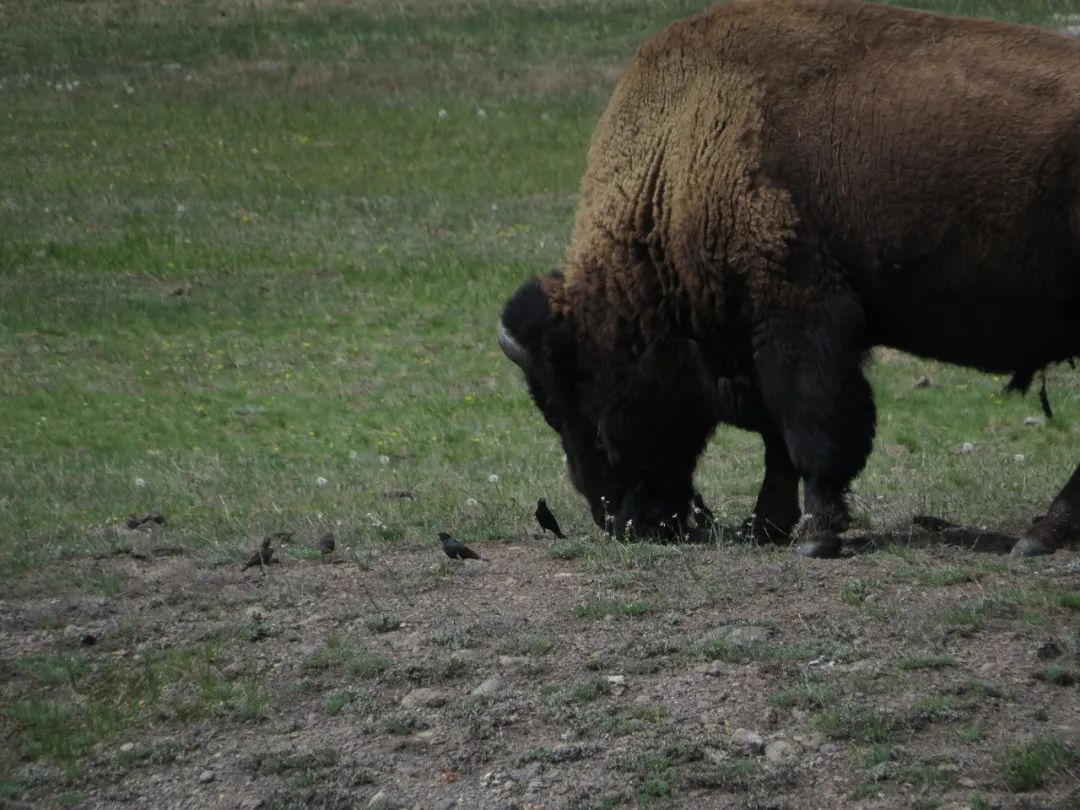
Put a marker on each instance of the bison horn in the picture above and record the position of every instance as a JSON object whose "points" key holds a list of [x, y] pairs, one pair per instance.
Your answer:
{"points": [[511, 348]]}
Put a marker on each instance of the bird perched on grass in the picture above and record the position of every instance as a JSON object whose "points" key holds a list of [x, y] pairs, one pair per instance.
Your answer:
{"points": [[456, 550], [263, 555], [326, 544], [547, 520]]}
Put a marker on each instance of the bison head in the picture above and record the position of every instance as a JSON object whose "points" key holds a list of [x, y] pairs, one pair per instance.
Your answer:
{"points": [[633, 421]]}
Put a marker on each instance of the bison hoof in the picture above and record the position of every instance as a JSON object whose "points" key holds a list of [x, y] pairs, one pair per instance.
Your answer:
{"points": [[1031, 547], [820, 547]]}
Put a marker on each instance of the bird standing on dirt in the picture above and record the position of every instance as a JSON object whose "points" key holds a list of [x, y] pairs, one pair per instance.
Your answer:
{"points": [[145, 522], [547, 520], [457, 550], [326, 544], [262, 556]]}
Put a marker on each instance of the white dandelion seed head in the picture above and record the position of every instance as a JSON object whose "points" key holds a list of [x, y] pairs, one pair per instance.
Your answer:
{"points": [[140, 482], [472, 502], [1019, 458], [320, 481], [493, 479], [443, 113], [353, 455], [384, 459]]}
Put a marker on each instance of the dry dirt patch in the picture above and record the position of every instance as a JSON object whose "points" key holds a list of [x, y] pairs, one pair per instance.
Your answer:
{"points": [[572, 675]]}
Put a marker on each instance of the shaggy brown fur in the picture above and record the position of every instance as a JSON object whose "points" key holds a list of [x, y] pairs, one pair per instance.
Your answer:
{"points": [[926, 159], [786, 183]]}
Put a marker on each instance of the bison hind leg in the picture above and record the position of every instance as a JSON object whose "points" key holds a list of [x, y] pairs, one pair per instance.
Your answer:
{"points": [[1059, 528]]}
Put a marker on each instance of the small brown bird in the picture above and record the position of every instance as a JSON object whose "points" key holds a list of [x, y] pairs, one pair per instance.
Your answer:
{"points": [[457, 550], [547, 520], [145, 522], [264, 555], [326, 544]]}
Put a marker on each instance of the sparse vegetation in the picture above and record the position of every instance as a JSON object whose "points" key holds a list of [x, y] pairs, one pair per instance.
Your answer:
{"points": [[927, 662], [602, 608], [1027, 766]]}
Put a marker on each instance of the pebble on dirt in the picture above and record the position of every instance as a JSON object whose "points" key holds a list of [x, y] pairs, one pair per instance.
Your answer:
{"points": [[207, 776]]}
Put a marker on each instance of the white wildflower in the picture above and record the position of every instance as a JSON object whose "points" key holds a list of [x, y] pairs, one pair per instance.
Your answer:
{"points": [[384, 459], [481, 112], [140, 483], [472, 502], [443, 113], [493, 479], [320, 481], [376, 521], [353, 455]]}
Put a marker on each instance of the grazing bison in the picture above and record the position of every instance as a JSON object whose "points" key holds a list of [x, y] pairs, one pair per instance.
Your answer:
{"points": [[775, 187]]}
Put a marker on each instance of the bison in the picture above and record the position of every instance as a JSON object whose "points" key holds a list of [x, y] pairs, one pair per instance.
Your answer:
{"points": [[774, 188]]}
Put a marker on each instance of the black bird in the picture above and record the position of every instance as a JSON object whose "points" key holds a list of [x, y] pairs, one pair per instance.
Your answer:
{"points": [[547, 520], [326, 544], [456, 550], [264, 555]]}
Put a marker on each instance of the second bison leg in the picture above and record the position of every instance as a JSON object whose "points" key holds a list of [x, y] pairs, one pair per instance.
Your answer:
{"points": [[810, 372], [777, 509], [1059, 528]]}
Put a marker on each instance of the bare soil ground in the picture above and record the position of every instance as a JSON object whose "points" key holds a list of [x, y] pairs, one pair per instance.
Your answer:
{"points": [[573, 676]]}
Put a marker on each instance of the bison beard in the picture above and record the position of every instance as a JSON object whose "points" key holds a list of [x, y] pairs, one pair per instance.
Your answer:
{"points": [[774, 189]]}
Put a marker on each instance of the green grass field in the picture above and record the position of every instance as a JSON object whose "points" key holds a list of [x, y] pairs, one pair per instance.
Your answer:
{"points": [[252, 255], [251, 247]]}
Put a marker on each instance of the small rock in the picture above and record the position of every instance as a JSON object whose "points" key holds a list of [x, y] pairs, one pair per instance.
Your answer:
{"points": [[779, 751], [1019, 458], [712, 668], [809, 741], [127, 748], [464, 656], [513, 661], [530, 771], [715, 755], [206, 777], [967, 782], [424, 696], [966, 448], [750, 740], [445, 804], [745, 634], [492, 686], [1032, 421], [769, 717]]}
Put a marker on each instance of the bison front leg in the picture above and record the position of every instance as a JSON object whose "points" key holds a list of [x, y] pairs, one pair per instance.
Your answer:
{"points": [[1059, 528], [777, 509], [810, 372]]}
